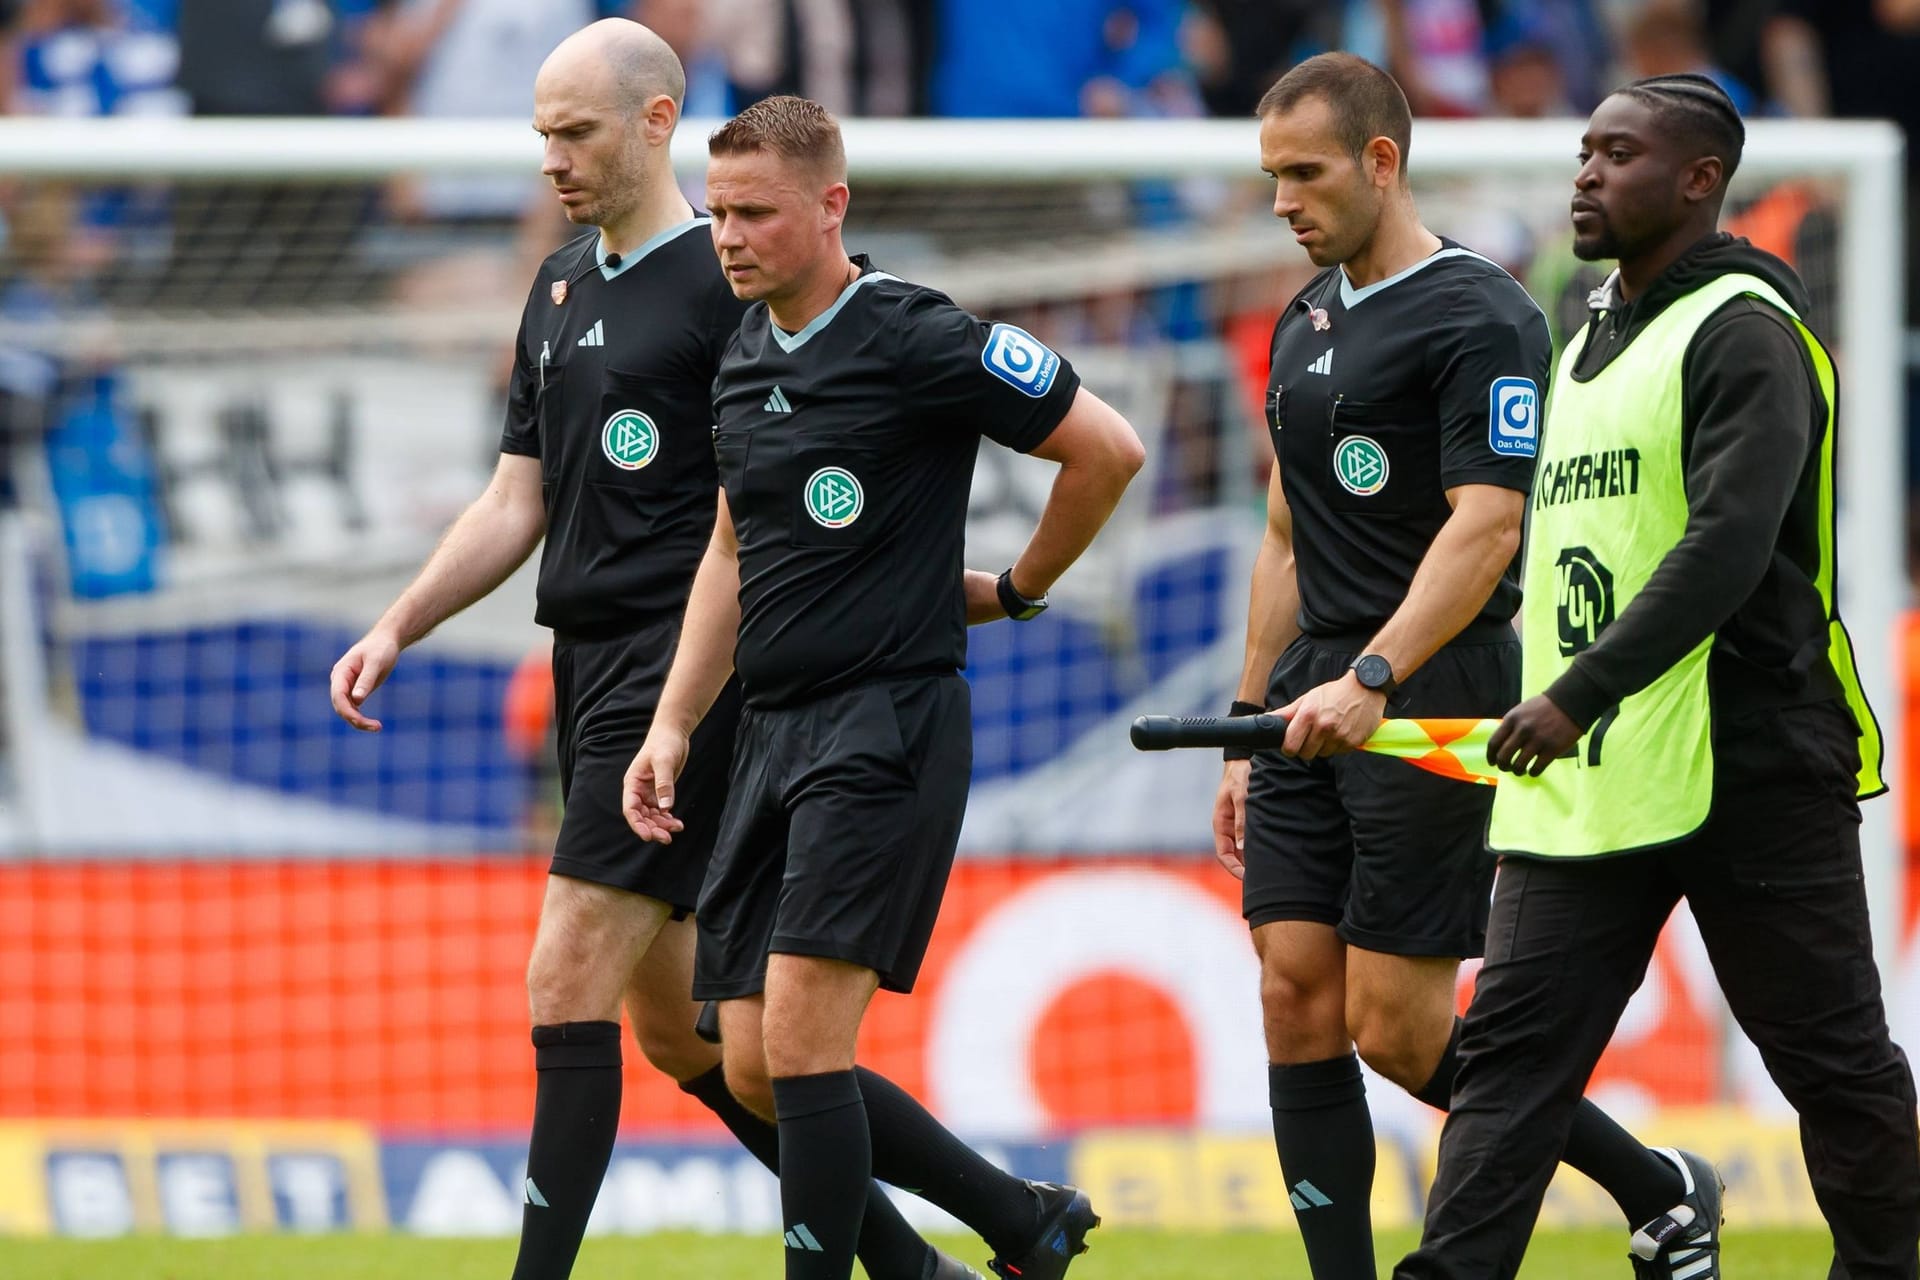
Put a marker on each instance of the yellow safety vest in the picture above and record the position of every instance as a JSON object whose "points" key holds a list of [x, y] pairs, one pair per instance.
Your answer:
{"points": [[1609, 502]]}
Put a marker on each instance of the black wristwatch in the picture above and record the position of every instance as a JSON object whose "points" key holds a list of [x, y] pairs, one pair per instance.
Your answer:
{"points": [[1374, 672], [1018, 607]]}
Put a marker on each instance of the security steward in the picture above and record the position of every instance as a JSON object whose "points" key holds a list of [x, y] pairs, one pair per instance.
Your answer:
{"points": [[1695, 727]]}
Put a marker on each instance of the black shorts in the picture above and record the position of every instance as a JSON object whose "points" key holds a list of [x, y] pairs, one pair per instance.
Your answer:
{"points": [[1393, 856], [604, 692], [841, 822]]}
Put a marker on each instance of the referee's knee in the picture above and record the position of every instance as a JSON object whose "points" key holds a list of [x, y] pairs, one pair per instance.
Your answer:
{"points": [[561, 987], [671, 1046], [1394, 1046], [1305, 1017], [747, 1080]]}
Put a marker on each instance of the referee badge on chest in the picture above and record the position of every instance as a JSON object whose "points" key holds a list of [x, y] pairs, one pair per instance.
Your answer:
{"points": [[559, 292]]}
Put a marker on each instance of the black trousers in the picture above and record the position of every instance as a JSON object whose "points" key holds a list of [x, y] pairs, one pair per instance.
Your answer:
{"points": [[1774, 882]]}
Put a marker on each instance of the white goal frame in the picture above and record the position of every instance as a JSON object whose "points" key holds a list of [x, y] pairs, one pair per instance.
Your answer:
{"points": [[1863, 158]]}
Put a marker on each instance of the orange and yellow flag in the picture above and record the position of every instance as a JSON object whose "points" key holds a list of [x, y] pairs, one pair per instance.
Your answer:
{"points": [[1454, 749]]}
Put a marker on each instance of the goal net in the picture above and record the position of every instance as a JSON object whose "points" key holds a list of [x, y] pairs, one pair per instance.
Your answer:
{"points": [[244, 384]]}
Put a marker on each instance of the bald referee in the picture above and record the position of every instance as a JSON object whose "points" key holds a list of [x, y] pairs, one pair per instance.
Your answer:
{"points": [[849, 412], [1694, 729], [607, 453], [1403, 405]]}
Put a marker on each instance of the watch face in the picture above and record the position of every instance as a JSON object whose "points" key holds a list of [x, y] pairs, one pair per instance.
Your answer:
{"points": [[1373, 671]]}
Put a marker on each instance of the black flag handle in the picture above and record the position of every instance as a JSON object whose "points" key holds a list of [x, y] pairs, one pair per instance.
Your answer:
{"points": [[1262, 732]]}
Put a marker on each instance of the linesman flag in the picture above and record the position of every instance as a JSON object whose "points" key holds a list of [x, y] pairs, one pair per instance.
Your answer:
{"points": [[1454, 749], [1451, 748]]}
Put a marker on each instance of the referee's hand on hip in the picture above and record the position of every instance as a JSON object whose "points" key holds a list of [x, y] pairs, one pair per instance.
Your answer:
{"points": [[647, 797]]}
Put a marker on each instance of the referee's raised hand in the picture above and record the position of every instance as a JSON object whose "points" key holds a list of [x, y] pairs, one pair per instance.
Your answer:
{"points": [[647, 797], [360, 671]]}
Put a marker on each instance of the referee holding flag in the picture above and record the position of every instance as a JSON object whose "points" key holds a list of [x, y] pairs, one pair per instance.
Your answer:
{"points": [[1695, 728]]}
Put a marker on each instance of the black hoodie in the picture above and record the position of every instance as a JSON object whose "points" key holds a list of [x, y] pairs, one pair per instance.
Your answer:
{"points": [[1752, 421]]}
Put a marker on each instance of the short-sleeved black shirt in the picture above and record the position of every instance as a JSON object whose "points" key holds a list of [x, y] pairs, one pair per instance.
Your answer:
{"points": [[612, 377], [1379, 400], [847, 452]]}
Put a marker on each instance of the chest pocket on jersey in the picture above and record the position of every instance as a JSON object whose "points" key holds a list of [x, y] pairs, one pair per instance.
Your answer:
{"points": [[830, 492], [631, 449], [1382, 457]]}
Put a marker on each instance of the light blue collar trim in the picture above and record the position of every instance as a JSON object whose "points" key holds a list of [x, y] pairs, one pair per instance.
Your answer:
{"points": [[628, 259], [1350, 296], [791, 342]]}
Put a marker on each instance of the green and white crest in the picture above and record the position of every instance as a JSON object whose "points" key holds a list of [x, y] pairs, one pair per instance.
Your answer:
{"points": [[630, 440], [834, 497], [1360, 465]]}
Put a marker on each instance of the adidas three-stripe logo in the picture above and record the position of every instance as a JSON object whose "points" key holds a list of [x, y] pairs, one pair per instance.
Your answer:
{"points": [[1306, 1196], [532, 1196], [801, 1238], [1694, 1258], [778, 402], [594, 337], [1324, 364]]}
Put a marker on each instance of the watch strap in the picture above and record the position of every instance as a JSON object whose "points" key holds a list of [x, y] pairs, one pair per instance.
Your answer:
{"points": [[1018, 607]]}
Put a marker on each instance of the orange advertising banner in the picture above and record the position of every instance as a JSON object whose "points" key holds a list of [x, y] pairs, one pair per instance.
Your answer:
{"points": [[1058, 994]]}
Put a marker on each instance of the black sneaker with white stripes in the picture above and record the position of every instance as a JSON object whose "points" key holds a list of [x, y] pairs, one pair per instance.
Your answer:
{"points": [[1066, 1215], [1684, 1242]]}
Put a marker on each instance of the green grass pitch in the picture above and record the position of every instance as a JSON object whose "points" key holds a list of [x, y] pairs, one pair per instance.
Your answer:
{"points": [[1116, 1255]]}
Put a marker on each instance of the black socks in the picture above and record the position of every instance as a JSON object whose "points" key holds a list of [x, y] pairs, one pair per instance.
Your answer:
{"points": [[576, 1112], [1643, 1184], [889, 1248], [761, 1139], [1324, 1134], [916, 1153], [826, 1169]]}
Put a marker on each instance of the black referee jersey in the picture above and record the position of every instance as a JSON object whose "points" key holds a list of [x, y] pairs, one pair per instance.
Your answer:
{"points": [[612, 379], [1382, 398], [847, 452]]}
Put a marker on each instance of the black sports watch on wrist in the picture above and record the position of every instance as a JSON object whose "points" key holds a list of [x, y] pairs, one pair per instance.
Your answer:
{"points": [[1374, 672], [1018, 607]]}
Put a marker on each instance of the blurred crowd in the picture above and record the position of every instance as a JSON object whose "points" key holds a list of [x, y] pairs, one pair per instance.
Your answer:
{"points": [[67, 252], [952, 57]]}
